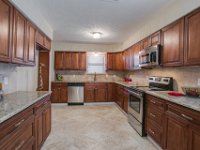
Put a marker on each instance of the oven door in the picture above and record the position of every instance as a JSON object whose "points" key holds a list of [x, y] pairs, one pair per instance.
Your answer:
{"points": [[135, 105]]}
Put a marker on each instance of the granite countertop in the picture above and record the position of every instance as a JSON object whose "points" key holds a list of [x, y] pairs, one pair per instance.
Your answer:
{"points": [[189, 102], [16, 102]]}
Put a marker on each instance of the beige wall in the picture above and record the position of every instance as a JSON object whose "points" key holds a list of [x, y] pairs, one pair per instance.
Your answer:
{"points": [[183, 76], [19, 78]]}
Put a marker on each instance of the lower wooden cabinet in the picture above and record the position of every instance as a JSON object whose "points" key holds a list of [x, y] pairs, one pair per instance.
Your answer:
{"points": [[59, 93], [95, 92], [172, 126], [42, 122], [28, 129], [111, 90]]}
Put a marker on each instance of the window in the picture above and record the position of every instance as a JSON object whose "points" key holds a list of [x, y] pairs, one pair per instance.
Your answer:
{"points": [[96, 62]]}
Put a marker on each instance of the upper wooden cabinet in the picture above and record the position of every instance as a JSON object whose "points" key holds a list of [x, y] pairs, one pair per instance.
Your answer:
{"points": [[6, 15], [127, 58], [70, 60], [192, 40], [155, 38], [118, 63], [31, 44], [43, 40], [110, 61], [134, 56], [19, 38], [145, 43], [172, 42], [82, 61]]}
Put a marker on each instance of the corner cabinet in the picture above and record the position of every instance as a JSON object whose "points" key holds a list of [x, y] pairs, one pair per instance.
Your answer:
{"points": [[6, 15], [192, 40], [172, 42]]}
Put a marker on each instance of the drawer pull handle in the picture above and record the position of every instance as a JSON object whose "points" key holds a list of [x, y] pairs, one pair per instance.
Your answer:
{"points": [[153, 101], [152, 131], [20, 145], [151, 114], [187, 117], [19, 123]]}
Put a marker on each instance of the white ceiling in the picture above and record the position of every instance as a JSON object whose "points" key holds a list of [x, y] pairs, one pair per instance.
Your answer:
{"points": [[74, 20]]}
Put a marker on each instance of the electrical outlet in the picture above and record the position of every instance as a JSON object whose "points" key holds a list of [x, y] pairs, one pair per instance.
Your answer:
{"points": [[198, 82]]}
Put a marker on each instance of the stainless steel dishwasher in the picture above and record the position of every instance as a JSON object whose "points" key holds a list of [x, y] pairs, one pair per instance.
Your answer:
{"points": [[75, 93]]}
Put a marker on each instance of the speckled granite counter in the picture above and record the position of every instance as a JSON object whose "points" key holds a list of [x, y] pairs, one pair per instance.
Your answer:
{"points": [[16, 102], [189, 102]]}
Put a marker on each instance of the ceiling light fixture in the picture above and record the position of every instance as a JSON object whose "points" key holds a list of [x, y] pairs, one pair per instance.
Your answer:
{"points": [[96, 35]]}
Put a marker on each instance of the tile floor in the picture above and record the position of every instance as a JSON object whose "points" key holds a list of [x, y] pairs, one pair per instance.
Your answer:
{"points": [[99, 127]]}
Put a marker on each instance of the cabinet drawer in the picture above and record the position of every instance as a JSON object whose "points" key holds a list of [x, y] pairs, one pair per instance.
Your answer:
{"points": [[10, 126], [101, 85], [188, 114], [154, 132], [89, 85], [155, 103], [41, 104], [155, 115], [19, 139]]}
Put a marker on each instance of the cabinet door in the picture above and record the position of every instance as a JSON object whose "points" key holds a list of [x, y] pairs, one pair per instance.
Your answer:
{"points": [[110, 92], [47, 43], [55, 95], [176, 134], [74, 61], [89, 92], [59, 60], [19, 38], [145, 43], [67, 60], [155, 38], [194, 138], [82, 61], [63, 93], [46, 121], [110, 61], [40, 38], [192, 40], [126, 97], [118, 61], [6, 13], [172, 41], [126, 59], [31, 44], [101, 92], [39, 130]]}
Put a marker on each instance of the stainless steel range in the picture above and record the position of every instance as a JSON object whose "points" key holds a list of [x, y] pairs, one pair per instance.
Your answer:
{"points": [[136, 100]]}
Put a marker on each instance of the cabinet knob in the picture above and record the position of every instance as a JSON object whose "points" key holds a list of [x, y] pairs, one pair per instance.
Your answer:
{"points": [[187, 117]]}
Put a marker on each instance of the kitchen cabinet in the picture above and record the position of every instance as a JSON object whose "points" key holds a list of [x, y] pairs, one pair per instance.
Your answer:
{"points": [[111, 92], [42, 121], [155, 119], [31, 44], [82, 61], [118, 61], [172, 126], [18, 131], [145, 43], [192, 42], [6, 15], [172, 42], [59, 93], [134, 57], [155, 38], [95, 92], [19, 38], [70, 60], [110, 61], [127, 58], [43, 41]]}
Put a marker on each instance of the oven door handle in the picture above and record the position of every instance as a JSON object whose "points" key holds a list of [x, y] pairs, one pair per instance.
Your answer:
{"points": [[135, 94]]}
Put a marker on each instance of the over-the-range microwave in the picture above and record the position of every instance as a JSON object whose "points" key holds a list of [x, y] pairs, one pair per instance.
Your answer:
{"points": [[150, 56]]}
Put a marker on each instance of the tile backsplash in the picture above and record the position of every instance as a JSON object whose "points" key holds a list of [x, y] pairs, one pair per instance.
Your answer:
{"points": [[183, 76]]}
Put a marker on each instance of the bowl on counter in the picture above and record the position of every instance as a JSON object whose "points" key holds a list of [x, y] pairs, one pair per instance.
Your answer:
{"points": [[192, 91]]}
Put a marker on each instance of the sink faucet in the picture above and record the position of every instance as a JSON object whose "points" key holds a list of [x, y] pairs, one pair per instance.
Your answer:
{"points": [[95, 76]]}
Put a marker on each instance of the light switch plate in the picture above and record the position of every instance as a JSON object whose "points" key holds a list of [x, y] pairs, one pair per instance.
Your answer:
{"points": [[198, 82]]}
